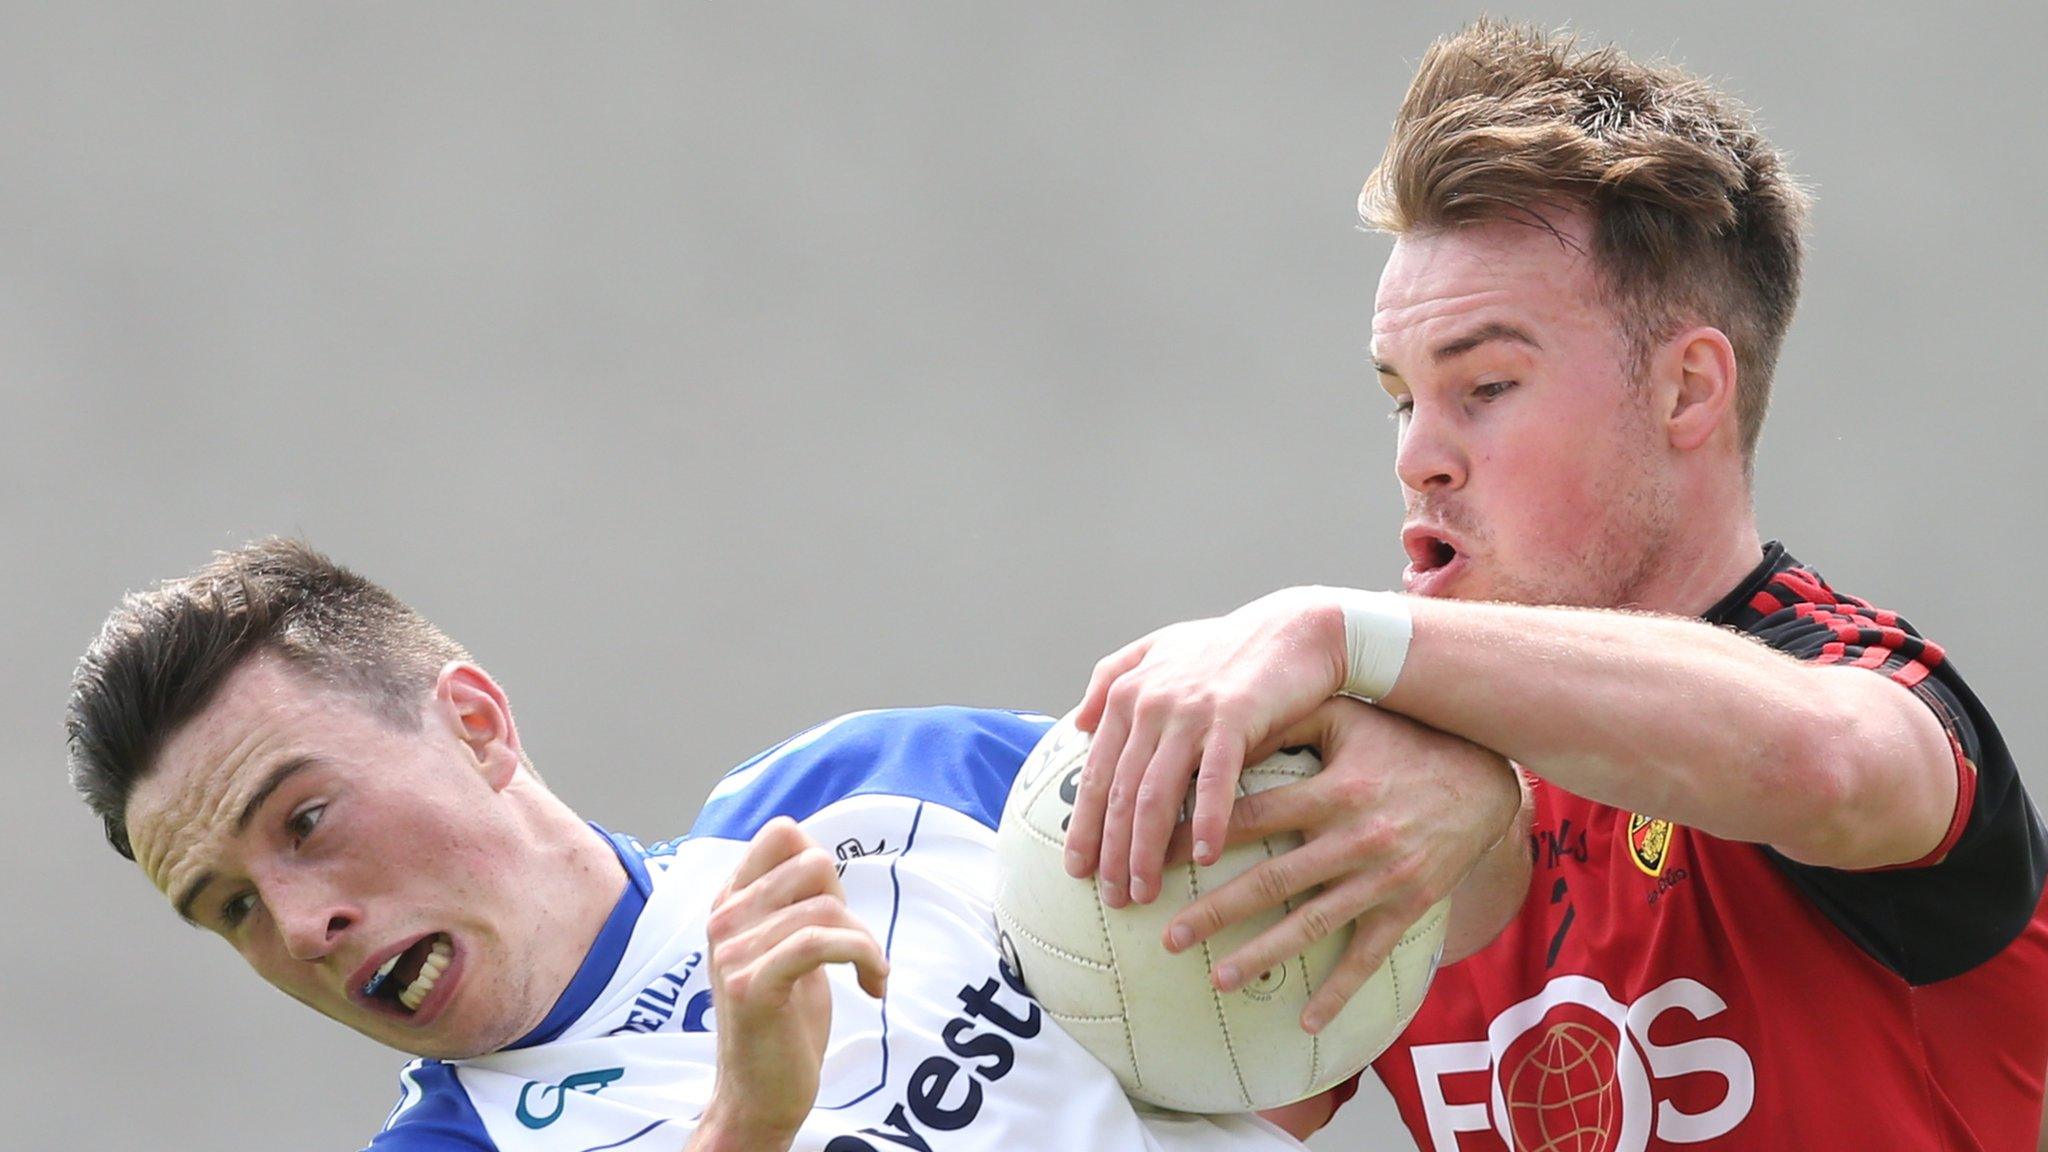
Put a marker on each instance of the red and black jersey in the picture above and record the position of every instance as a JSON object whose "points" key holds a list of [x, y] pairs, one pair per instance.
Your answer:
{"points": [[1664, 988]]}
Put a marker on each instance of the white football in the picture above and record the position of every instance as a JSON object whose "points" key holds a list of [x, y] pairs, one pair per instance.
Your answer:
{"points": [[1153, 1017]]}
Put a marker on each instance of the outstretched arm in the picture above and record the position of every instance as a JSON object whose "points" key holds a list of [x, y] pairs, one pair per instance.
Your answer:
{"points": [[776, 924], [1833, 766]]}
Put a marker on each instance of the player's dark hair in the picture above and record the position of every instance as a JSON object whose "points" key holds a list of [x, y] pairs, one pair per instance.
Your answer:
{"points": [[1697, 219], [162, 655]]}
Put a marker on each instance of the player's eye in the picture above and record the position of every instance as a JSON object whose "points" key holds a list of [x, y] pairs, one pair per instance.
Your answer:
{"points": [[1402, 407], [1493, 389], [237, 909], [303, 822]]}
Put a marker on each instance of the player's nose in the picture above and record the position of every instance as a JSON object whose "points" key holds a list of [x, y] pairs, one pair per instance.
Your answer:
{"points": [[1430, 455], [310, 921]]}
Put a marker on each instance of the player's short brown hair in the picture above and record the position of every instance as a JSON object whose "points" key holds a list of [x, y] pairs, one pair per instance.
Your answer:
{"points": [[162, 654], [1697, 219]]}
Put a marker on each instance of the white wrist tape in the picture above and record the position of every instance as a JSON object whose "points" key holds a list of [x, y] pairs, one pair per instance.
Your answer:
{"points": [[1377, 628]]}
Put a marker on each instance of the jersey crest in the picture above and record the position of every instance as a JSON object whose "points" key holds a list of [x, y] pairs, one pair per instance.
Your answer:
{"points": [[1649, 841]]}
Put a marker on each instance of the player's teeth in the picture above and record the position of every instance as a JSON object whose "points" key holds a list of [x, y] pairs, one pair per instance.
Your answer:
{"points": [[416, 992], [437, 963], [376, 981]]}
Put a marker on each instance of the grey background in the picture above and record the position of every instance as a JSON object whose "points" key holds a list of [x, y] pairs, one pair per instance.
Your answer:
{"points": [[714, 369]]}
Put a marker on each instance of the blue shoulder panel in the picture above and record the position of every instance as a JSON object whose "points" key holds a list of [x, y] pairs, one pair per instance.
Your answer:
{"points": [[433, 1115], [962, 758]]}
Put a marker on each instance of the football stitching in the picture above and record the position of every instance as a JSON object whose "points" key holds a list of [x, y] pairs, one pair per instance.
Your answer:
{"points": [[1010, 921], [1315, 1041], [1102, 924], [1216, 997], [1394, 968], [1123, 1003], [1420, 930], [1394, 977], [1315, 1049], [1064, 1018], [1042, 837]]}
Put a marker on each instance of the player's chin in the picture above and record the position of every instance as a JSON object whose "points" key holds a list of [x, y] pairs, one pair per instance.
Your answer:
{"points": [[450, 1040], [439, 1048]]}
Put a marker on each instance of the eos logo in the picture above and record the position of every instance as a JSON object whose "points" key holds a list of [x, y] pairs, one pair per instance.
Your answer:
{"points": [[1572, 1069]]}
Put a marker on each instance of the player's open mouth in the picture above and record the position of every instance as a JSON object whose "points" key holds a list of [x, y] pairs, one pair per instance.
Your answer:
{"points": [[1432, 556], [407, 977], [1427, 550]]}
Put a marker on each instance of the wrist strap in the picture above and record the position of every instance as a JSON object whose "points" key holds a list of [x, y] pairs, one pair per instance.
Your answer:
{"points": [[1377, 628]]}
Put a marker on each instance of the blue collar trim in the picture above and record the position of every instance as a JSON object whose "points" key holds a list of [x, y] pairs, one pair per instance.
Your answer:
{"points": [[605, 953]]}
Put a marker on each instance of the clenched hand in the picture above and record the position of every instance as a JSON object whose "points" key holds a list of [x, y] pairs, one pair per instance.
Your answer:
{"points": [[773, 927]]}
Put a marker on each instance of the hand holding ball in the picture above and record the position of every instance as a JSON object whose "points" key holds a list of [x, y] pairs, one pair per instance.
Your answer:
{"points": [[1154, 1017]]}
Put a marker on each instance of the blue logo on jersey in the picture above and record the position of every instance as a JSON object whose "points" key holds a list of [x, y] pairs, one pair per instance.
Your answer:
{"points": [[656, 1003], [592, 1082], [697, 1017]]}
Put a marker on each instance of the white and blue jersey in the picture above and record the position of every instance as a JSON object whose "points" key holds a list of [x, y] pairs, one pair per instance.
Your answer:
{"points": [[956, 1057]]}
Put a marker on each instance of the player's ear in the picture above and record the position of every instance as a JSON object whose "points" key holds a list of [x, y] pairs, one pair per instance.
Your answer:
{"points": [[1693, 377], [475, 708]]}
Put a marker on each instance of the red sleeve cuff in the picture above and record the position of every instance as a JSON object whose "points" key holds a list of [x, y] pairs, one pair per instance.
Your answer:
{"points": [[1966, 787]]}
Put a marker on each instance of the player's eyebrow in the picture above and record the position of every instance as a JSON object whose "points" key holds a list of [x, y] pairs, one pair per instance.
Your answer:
{"points": [[1484, 334], [191, 896], [278, 775]]}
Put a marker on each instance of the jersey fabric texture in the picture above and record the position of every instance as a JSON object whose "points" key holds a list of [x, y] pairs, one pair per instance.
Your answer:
{"points": [[1662, 988], [957, 1056]]}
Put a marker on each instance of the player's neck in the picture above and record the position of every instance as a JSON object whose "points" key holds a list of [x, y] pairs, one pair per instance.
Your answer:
{"points": [[578, 879], [1711, 554]]}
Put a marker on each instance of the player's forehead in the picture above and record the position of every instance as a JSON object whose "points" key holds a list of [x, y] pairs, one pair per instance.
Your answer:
{"points": [[183, 811], [1442, 283]]}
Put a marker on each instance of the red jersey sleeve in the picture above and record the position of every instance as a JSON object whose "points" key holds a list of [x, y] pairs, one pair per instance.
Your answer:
{"points": [[1942, 915]]}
